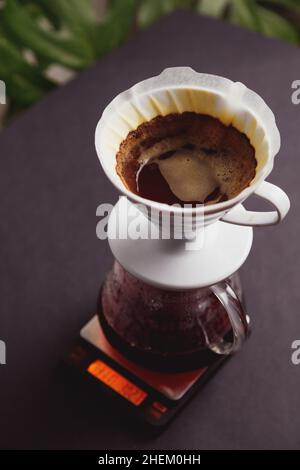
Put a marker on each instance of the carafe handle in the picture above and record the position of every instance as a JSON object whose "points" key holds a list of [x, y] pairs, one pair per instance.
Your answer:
{"points": [[239, 320]]}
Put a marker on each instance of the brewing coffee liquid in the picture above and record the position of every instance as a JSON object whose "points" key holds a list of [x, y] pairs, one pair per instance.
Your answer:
{"points": [[186, 158]]}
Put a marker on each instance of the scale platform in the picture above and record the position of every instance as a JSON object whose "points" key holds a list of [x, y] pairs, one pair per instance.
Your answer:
{"points": [[154, 397]]}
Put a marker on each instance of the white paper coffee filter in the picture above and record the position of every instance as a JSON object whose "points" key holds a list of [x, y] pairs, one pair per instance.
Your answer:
{"points": [[181, 89]]}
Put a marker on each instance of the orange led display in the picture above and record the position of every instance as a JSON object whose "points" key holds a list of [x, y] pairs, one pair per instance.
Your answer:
{"points": [[117, 382]]}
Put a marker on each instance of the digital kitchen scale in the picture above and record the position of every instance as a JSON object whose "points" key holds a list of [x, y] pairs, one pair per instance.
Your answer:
{"points": [[155, 397]]}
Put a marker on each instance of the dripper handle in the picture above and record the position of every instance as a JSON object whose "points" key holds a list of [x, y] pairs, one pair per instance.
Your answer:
{"points": [[271, 193], [238, 319]]}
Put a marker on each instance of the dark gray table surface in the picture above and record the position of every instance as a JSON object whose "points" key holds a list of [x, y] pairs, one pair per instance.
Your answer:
{"points": [[52, 264]]}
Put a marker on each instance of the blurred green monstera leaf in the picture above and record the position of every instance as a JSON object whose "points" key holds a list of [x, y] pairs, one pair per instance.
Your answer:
{"points": [[36, 34], [39, 35], [256, 15]]}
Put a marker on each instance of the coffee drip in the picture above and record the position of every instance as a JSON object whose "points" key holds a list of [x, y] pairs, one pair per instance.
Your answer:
{"points": [[186, 158], [209, 140], [181, 177]]}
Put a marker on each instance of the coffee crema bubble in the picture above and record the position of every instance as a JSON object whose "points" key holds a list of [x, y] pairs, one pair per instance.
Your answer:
{"points": [[186, 158]]}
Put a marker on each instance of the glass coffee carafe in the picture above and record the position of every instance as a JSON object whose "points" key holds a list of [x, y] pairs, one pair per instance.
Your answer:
{"points": [[170, 330]]}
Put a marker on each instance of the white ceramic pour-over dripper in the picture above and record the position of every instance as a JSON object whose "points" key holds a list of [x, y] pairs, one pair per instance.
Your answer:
{"points": [[167, 263], [181, 89]]}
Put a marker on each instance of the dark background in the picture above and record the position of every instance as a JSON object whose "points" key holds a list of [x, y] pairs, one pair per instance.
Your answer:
{"points": [[51, 263]]}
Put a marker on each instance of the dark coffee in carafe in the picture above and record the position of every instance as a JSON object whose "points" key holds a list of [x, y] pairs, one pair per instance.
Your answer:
{"points": [[162, 329]]}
